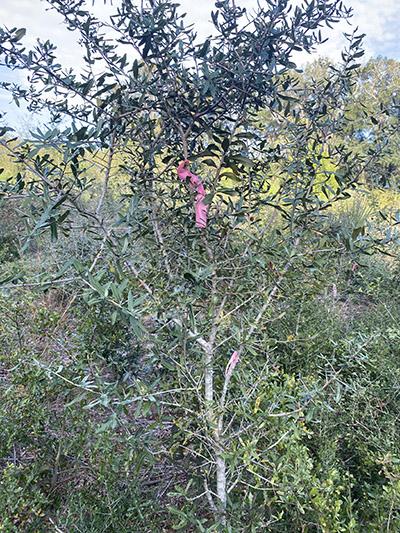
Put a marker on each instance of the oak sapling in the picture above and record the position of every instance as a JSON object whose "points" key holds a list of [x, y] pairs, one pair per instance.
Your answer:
{"points": [[174, 93]]}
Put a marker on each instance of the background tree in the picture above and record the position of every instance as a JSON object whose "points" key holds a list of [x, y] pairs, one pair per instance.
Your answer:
{"points": [[371, 108]]}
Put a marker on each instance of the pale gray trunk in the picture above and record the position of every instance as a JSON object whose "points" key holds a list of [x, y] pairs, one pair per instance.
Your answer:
{"points": [[221, 486]]}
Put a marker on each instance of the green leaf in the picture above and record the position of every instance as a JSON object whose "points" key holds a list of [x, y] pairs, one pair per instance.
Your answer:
{"points": [[204, 49], [245, 161], [19, 34], [76, 399], [208, 199], [130, 301], [135, 327], [225, 144], [135, 69]]}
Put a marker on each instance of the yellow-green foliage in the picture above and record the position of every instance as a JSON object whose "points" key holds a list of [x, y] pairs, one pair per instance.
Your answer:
{"points": [[325, 183], [96, 165]]}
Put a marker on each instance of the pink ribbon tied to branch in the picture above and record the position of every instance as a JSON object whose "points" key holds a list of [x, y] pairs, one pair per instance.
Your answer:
{"points": [[201, 208], [231, 364]]}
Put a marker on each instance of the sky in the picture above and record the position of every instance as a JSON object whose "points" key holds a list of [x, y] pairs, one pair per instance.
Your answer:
{"points": [[378, 19]]}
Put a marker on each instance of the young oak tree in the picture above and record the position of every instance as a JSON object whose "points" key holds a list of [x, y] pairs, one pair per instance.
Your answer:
{"points": [[150, 97]]}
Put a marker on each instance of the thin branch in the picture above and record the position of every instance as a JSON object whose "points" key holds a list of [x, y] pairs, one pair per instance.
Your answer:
{"points": [[108, 171], [40, 284]]}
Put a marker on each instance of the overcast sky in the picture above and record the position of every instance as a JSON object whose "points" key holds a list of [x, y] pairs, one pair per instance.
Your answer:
{"points": [[378, 19]]}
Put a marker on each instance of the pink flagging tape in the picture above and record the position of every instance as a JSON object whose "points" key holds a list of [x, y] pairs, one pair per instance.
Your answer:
{"points": [[201, 208], [232, 363]]}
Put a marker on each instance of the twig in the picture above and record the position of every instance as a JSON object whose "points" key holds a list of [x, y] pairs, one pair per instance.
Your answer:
{"points": [[108, 171], [39, 284]]}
